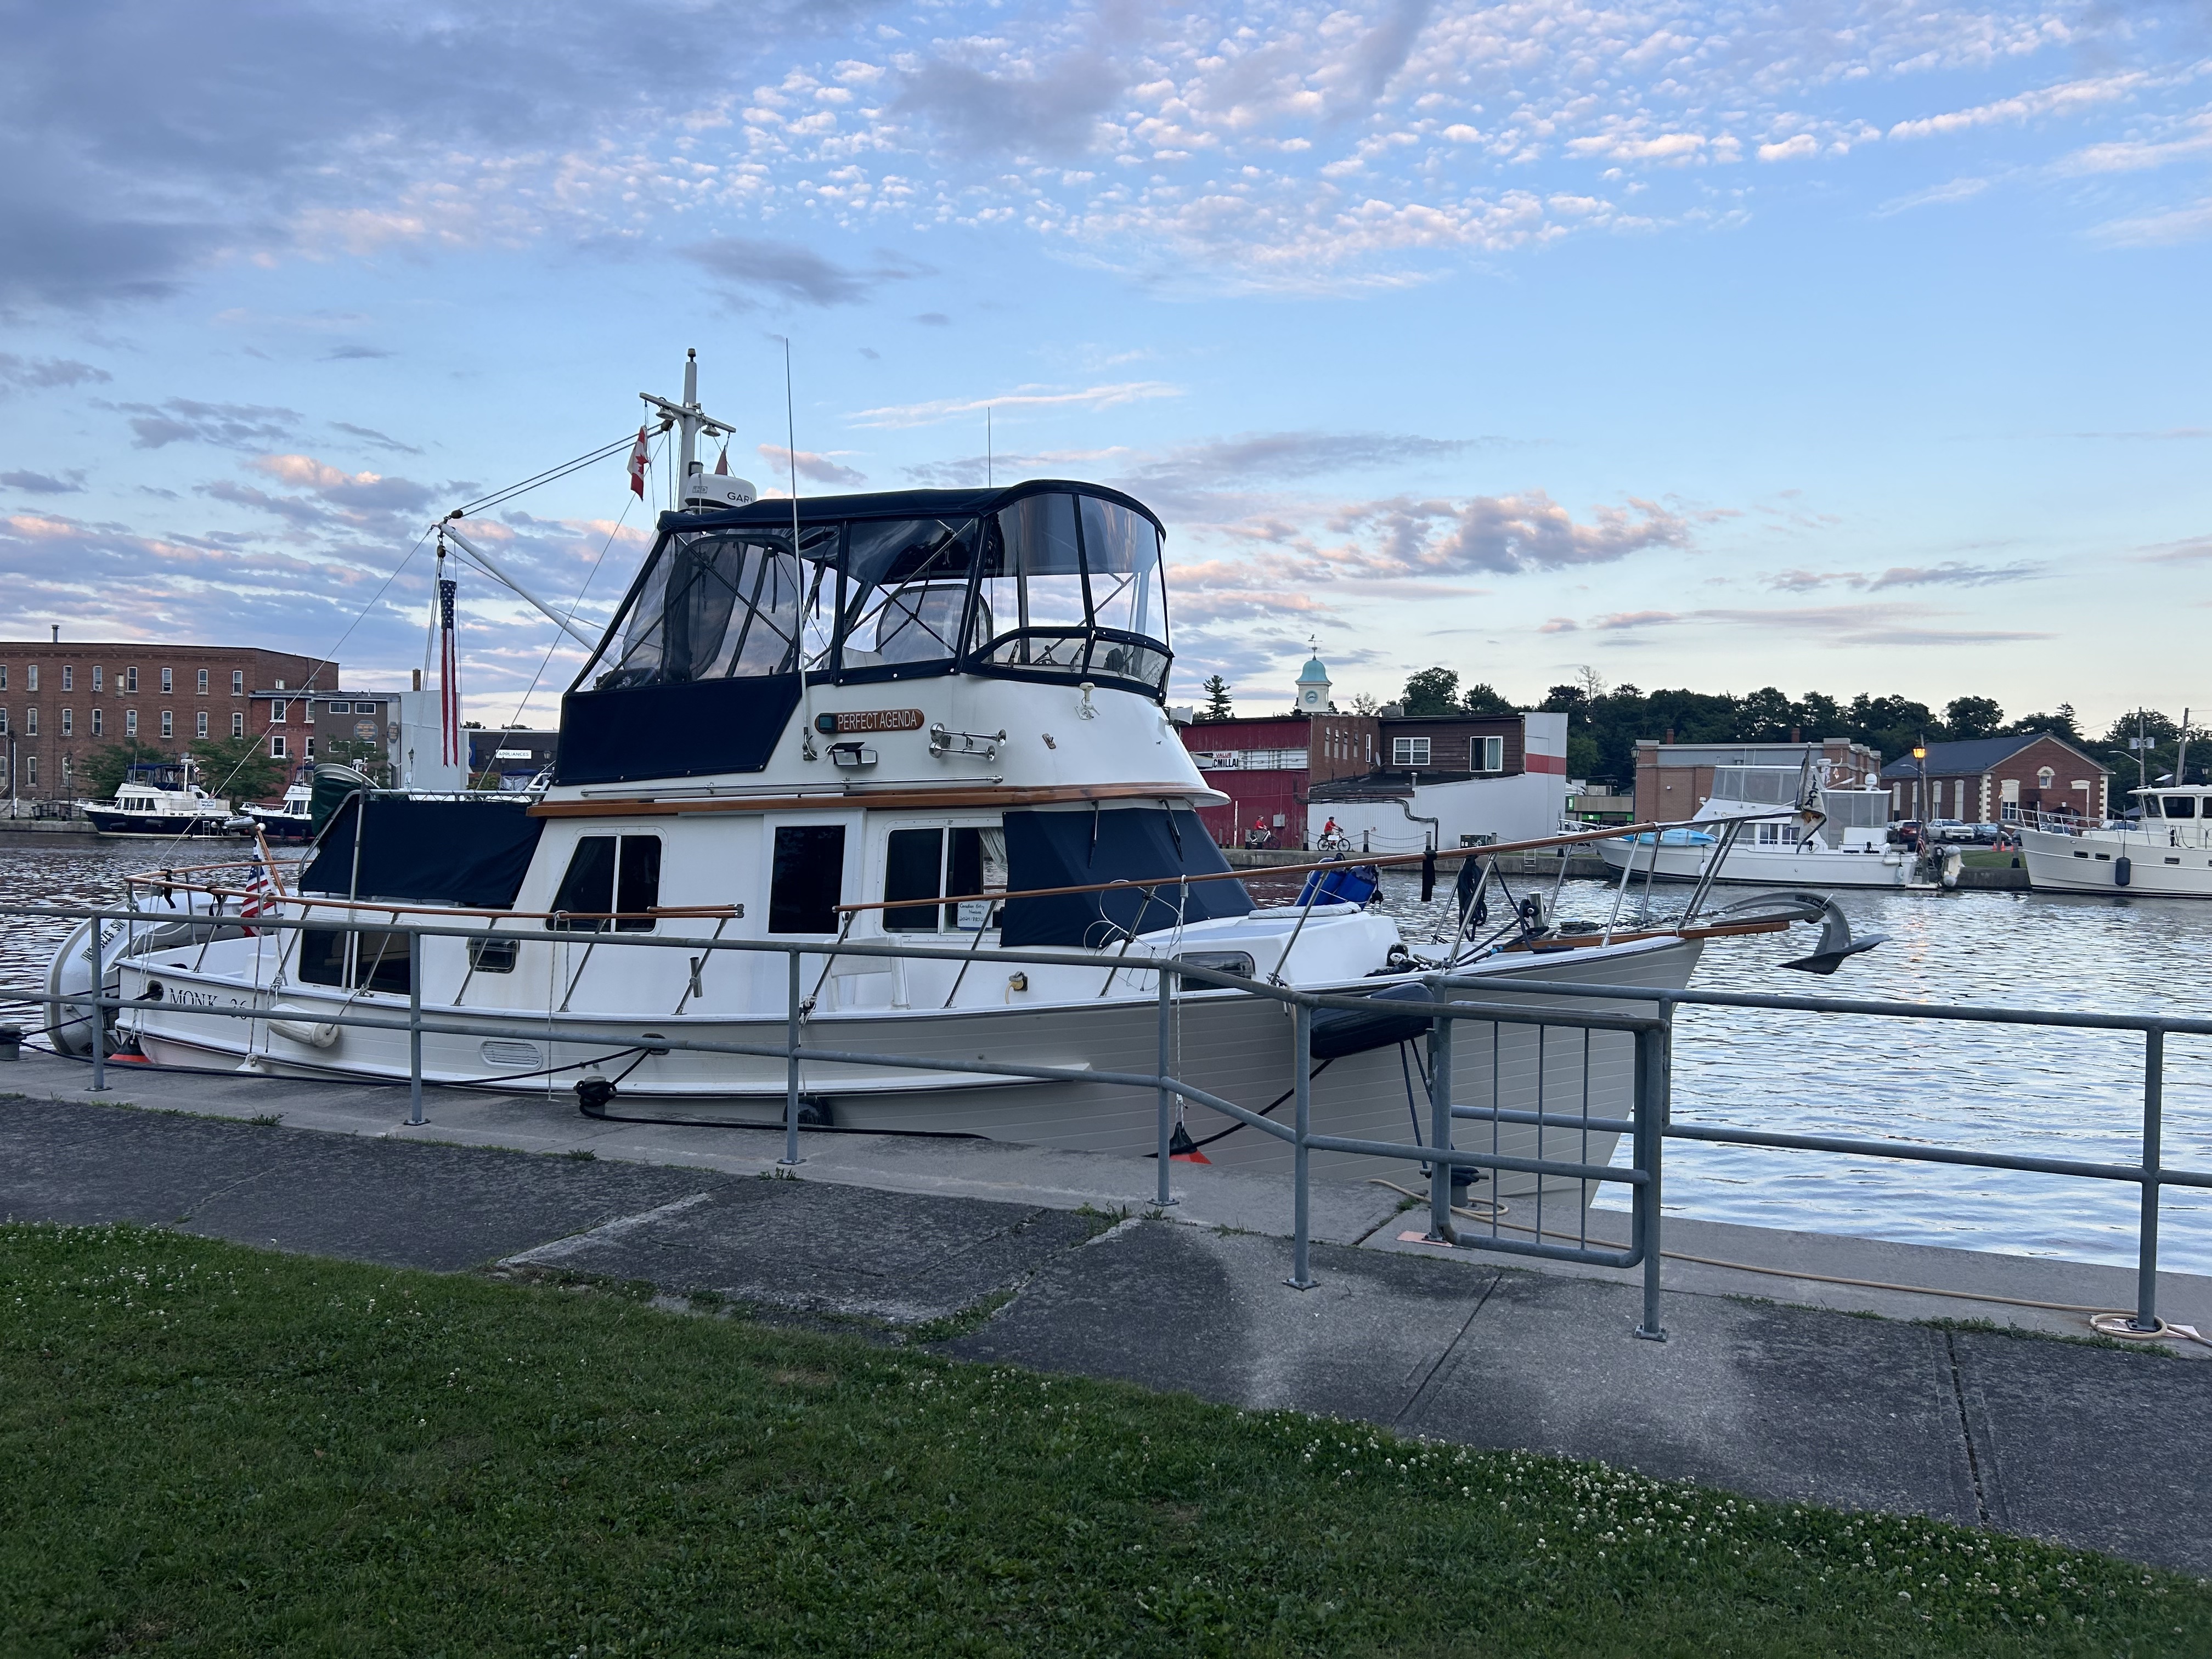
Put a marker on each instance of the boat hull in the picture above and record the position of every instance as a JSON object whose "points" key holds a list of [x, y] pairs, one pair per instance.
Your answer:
{"points": [[1754, 866], [1235, 1047], [2090, 863], [108, 822]]}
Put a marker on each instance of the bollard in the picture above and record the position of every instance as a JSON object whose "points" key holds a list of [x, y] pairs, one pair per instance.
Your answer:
{"points": [[1440, 1230]]}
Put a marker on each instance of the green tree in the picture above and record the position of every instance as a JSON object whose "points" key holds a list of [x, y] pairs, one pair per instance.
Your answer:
{"points": [[238, 768], [1483, 698], [1766, 716], [1432, 692], [2060, 723], [104, 767], [1966, 718], [1217, 707]]}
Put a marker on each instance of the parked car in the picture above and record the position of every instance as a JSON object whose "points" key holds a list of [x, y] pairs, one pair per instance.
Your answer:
{"points": [[1943, 829], [1991, 835], [1906, 832]]}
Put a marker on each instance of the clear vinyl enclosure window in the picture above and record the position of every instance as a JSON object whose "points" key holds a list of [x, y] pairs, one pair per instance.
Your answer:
{"points": [[906, 590], [1063, 575], [718, 605]]}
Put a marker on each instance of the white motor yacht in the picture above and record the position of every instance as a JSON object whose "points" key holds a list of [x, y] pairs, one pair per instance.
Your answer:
{"points": [[1794, 826], [930, 716], [2166, 850], [161, 799], [290, 819]]}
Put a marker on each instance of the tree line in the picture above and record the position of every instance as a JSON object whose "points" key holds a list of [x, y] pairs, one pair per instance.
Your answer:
{"points": [[1604, 723]]}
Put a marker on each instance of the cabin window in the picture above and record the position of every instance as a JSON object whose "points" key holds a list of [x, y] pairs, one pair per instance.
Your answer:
{"points": [[1409, 751], [610, 873], [953, 864], [1121, 556], [906, 583], [2150, 807], [1047, 587], [806, 879], [2181, 807], [492, 956], [367, 961]]}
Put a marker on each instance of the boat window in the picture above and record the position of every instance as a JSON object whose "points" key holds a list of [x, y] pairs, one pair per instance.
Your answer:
{"points": [[607, 873], [806, 880], [492, 956], [906, 587], [928, 864], [913, 869], [376, 961], [2150, 807], [1033, 580], [2181, 807], [1122, 554], [719, 606]]}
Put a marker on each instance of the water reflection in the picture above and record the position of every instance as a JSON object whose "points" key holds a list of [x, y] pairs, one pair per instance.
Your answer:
{"points": [[2072, 1094]]}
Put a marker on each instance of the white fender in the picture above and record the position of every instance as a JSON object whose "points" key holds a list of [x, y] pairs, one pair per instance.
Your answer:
{"points": [[307, 1031]]}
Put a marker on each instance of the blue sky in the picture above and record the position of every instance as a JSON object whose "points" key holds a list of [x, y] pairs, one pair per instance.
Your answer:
{"points": [[1834, 346]]}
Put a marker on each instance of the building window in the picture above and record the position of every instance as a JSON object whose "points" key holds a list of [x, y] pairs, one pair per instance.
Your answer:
{"points": [[307, 748], [169, 724], [277, 746], [169, 681], [200, 725], [3, 722], [68, 677], [276, 712], [237, 725], [98, 678], [1409, 751], [238, 681], [68, 772], [97, 723], [130, 679], [1488, 754], [31, 771], [202, 685], [3, 676], [31, 722], [69, 722], [130, 722], [31, 677], [2044, 777]]}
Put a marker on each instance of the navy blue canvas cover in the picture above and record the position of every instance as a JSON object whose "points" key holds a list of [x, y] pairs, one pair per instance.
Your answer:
{"points": [[472, 853], [684, 731], [1135, 844]]}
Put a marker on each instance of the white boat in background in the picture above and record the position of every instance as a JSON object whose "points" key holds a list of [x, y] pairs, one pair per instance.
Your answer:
{"points": [[1784, 826], [2168, 851], [289, 820], [161, 799]]}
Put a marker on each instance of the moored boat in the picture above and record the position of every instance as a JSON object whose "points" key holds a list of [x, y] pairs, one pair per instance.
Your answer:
{"points": [[161, 799], [2165, 851]]}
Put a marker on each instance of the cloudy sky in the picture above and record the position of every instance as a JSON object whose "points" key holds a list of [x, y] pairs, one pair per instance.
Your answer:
{"points": [[1831, 345]]}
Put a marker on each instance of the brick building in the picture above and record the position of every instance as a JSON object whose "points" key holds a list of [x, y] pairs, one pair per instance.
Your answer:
{"points": [[1999, 780], [1674, 779], [60, 701]]}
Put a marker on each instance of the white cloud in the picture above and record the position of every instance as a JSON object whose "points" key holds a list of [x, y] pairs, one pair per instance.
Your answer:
{"points": [[1027, 397]]}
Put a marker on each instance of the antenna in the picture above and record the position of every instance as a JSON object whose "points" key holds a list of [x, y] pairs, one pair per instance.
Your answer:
{"points": [[989, 481]]}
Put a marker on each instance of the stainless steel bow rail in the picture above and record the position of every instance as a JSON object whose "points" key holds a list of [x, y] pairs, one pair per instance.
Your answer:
{"points": [[1551, 1029]]}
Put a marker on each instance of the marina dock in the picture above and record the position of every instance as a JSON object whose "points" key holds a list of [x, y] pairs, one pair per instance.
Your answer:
{"points": [[1951, 1403]]}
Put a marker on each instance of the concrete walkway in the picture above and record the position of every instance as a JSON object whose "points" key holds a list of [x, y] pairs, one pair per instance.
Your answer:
{"points": [[2091, 1446]]}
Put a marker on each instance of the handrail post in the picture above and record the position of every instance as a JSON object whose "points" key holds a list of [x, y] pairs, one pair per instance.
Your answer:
{"points": [[2146, 1318], [791, 1158], [1302, 1277], [99, 1023], [1167, 1009], [415, 1119], [1440, 1230], [1652, 1066]]}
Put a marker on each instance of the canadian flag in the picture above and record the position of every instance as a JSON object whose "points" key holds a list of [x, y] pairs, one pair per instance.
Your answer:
{"points": [[638, 457]]}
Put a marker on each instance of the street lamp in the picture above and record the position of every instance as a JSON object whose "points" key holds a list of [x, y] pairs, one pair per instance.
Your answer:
{"points": [[1920, 754]]}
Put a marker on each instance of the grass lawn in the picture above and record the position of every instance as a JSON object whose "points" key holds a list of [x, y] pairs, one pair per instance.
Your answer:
{"points": [[205, 1449]]}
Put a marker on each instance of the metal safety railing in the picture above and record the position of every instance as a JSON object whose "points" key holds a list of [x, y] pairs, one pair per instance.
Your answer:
{"points": [[1647, 1124]]}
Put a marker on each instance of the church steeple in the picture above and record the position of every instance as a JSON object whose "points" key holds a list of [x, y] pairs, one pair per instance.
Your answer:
{"points": [[1314, 684]]}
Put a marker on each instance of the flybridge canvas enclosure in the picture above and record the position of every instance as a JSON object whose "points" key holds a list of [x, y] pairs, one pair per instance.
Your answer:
{"points": [[1134, 844], [472, 853]]}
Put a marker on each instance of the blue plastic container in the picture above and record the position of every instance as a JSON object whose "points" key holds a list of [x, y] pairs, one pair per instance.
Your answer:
{"points": [[1352, 884]]}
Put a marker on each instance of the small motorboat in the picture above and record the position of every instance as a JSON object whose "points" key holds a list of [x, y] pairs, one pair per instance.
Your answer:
{"points": [[290, 819], [160, 798]]}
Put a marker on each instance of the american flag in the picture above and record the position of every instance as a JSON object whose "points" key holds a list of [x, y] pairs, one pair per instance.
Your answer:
{"points": [[449, 681]]}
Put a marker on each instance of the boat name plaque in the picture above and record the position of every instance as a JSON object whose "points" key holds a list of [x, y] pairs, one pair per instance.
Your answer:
{"points": [[870, 719]]}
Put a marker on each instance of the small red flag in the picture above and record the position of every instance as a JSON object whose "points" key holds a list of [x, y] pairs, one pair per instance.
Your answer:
{"points": [[638, 457]]}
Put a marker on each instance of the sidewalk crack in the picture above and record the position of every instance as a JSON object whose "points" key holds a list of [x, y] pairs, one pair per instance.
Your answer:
{"points": [[1450, 1349], [1966, 1431]]}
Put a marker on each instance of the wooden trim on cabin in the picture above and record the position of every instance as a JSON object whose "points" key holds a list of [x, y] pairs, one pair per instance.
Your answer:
{"points": [[906, 800]]}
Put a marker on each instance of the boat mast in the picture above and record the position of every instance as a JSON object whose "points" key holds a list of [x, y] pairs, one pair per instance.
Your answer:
{"points": [[691, 421]]}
